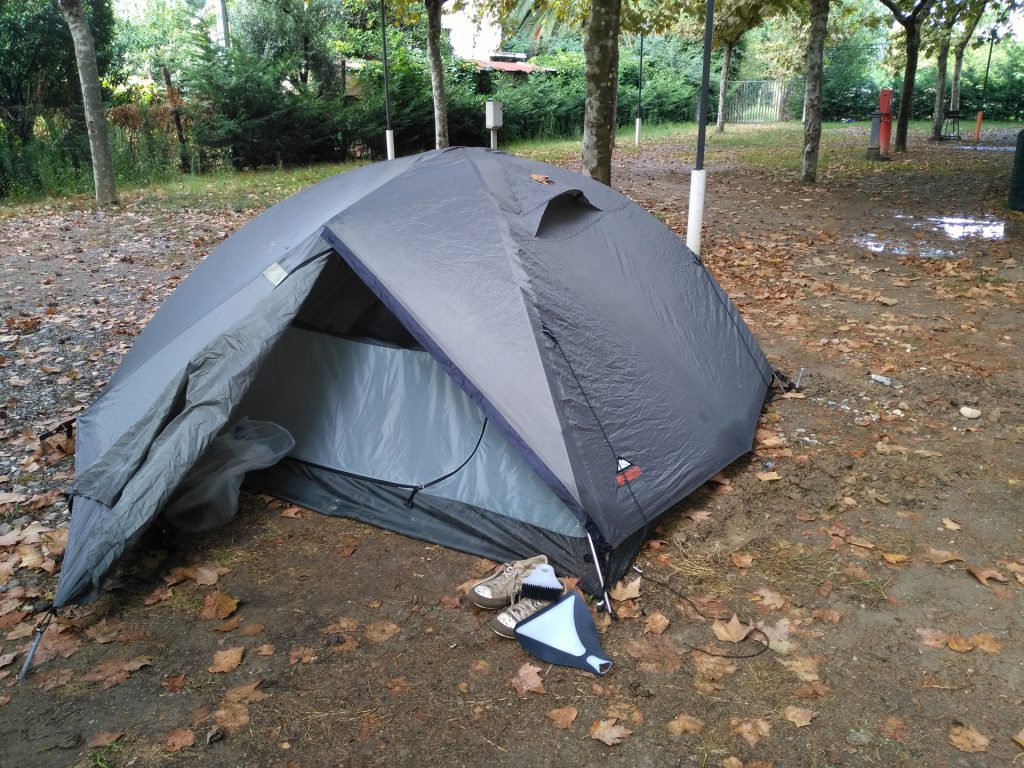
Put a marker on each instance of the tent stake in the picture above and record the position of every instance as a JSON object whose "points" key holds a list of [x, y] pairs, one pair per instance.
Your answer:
{"points": [[38, 632], [600, 576]]}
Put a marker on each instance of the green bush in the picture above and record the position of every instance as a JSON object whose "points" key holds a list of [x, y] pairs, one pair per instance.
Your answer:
{"points": [[244, 112]]}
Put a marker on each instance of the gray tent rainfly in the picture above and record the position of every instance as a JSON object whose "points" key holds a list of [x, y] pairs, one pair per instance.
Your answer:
{"points": [[467, 347]]}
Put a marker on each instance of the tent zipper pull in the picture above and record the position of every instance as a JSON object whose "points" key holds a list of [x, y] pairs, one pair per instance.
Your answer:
{"points": [[38, 632]]}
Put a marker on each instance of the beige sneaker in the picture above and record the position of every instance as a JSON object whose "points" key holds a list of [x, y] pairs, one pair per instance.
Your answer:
{"points": [[505, 622], [496, 590]]}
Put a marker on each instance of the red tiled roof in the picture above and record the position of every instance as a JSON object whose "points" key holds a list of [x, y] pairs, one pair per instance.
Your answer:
{"points": [[510, 66]]}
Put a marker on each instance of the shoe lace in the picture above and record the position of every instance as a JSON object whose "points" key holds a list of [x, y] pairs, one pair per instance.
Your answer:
{"points": [[522, 607], [507, 575]]}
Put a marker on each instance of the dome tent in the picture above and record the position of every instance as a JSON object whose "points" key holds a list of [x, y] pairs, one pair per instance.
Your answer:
{"points": [[470, 348]]}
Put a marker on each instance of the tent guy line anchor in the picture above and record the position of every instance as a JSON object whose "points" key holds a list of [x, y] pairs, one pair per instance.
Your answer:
{"points": [[38, 632]]}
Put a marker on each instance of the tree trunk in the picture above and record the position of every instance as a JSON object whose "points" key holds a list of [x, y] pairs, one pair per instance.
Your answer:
{"points": [[600, 118], [437, 72], [913, 29], [812, 94], [954, 89], [723, 84], [958, 56], [174, 101], [92, 101], [940, 88]]}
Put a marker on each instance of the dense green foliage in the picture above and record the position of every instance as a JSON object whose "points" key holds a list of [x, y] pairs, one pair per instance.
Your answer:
{"points": [[303, 82], [42, 128]]}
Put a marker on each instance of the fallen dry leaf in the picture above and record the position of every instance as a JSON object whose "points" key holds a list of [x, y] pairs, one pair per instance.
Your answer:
{"points": [[607, 732], [527, 680], [349, 545], [941, 556], [1019, 738], [540, 178], [894, 728], [966, 738], [343, 625], [752, 729], [173, 683], [895, 559], [984, 574], [179, 739], [933, 638], [813, 690], [684, 723], [227, 660], [563, 717], [799, 716], [741, 561], [731, 762], [732, 632], [767, 477], [231, 716], [959, 644], [54, 678], [103, 739], [158, 595], [218, 605], [301, 655], [656, 623], [294, 513], [380, 631], [769, 598], [986, 642], [951, 524], [250, 630], [656, 653], [114, 671], [229, 625], [624, 711], [804, 667], [626, 590]]}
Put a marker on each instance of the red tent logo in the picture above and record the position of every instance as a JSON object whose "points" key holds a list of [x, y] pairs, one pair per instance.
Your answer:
{"points": [[627, 472]]}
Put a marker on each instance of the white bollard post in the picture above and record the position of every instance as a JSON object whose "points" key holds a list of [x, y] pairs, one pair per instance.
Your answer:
{"points": [[696, 218], [493, 120], [389, 137], [636, 138]]}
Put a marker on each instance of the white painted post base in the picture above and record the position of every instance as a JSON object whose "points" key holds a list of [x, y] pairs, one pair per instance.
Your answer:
{"points": [[389, 136], [636, 138], [494, 138], [695, 220]]}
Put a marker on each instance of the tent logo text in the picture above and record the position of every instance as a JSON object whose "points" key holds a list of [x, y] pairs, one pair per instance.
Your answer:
{"points": [[627, 472]]}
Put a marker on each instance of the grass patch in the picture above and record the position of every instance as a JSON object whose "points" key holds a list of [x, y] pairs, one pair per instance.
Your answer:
{"points": [[234, 190], [774, 149]]}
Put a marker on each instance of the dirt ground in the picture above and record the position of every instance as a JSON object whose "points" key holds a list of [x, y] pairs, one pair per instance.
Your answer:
{"points": [[874, 535]]}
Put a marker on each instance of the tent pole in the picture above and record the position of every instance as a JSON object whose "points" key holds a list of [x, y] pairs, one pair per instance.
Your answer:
{"points": [[600, 575]]}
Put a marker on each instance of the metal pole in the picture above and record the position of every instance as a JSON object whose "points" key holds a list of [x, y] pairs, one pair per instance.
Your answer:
{"points": [[705, 83], [695, 220], [639, 93], [389, 135], [984, 89]]}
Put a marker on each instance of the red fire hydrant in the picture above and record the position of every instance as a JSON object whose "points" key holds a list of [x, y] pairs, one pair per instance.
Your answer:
{"points": [[885, 131]]}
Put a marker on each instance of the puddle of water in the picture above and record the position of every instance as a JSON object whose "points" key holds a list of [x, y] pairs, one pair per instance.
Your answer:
{"points": [[957, 228], [953, 227], [874, 244], [975, 148]]}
